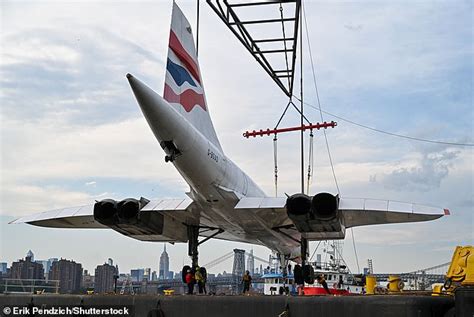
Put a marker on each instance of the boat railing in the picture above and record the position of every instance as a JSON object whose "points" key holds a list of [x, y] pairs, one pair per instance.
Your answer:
{"points": [[330, 266]]}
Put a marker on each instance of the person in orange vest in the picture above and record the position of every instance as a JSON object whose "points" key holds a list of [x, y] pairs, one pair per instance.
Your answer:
{"points": [[190, 281]]}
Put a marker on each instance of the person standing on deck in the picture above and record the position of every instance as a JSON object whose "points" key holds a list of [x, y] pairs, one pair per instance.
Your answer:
{"points": [[246, 279], [190, 281], [201, 280], [322, 281]]}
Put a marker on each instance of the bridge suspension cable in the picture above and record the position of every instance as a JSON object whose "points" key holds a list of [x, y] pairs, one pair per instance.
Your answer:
{"points": [[433, 268], [257, 258], [229, 255], [219, 260]]}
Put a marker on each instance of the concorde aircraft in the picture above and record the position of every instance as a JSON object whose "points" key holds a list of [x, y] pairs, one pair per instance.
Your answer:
{"points": [[223, 202]]}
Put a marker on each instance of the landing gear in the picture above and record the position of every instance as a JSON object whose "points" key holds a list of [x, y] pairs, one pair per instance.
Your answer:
{"points": [[304, 250], [308, 270], [298, 275], [193, 243], [305, 272], [308, 274]]}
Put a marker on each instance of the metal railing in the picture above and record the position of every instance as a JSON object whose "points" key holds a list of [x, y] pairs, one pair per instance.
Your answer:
{"points": [[30, 286]]}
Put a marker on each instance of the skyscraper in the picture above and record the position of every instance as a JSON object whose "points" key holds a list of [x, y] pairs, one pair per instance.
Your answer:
{"points": [[26, 269], [164, 268], [45, 265], [69, 275], [104, 278], [50, 262], [147, 275], [3, 268], [87, 280], [137, 274], [31, 255], [251, 263]]}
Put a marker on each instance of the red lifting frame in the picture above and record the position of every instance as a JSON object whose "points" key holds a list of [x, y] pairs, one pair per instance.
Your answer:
{"points": [[317, 126]]}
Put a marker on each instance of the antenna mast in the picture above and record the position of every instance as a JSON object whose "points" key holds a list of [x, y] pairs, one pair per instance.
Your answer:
{"points": [[301, 104]]}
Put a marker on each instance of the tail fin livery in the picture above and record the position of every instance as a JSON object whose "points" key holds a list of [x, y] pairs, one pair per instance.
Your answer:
{"points": [[183, 82]]}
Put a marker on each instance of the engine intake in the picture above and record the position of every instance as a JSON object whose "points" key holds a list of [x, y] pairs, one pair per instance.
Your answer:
{"points": [[105, 210], [298, 204], [128, 218], [317, 217], [128, 208], [325, 206]]}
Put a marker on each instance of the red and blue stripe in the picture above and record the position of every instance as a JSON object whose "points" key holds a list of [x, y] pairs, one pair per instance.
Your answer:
{"points": [[189, 98]]}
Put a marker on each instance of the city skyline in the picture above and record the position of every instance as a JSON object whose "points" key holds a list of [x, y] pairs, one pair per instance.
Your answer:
{"points": [[69, 277], [138, 273], [111, 262]]}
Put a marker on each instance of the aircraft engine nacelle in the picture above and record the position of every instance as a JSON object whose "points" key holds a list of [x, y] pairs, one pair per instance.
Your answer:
{"points": [[128, 208], [128, 218], [298, 204], [325, 206], [109, 211], [316, 217], [105, 211]]}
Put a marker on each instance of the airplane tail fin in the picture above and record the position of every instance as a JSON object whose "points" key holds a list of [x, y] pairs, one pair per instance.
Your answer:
{"points": [[183, 83]]}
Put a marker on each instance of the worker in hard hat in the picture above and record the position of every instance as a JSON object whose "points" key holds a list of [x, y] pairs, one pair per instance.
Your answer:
{"points": [[200, 276]]}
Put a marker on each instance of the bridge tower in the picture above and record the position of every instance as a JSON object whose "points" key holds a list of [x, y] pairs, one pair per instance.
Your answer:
{"points": [[251, 263], [371, 266], [239, 262]]}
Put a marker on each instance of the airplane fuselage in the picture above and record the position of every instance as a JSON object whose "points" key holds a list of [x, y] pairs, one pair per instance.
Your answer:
{"points": [[216, 182]]}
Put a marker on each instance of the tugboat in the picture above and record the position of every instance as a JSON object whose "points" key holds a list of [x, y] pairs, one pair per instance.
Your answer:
{"points": [[339, 280], [277, 284]]}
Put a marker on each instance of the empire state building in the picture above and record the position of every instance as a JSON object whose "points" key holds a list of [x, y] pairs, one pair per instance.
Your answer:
{"points": [[164, 265]]}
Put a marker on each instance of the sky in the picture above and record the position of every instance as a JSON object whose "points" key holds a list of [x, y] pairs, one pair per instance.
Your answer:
{"points": [[71, 131]]}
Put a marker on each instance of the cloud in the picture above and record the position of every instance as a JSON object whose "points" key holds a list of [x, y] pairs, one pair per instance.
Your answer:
{"points": [[74, 152], [50, 155], [353, 27], [29, 199], [405, 234], [426, 173], [418, 35], [45, 73]]}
